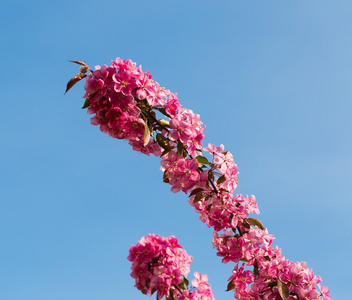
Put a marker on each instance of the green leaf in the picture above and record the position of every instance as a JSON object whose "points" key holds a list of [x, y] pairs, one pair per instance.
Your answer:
{"points": [[202, 160], [245, 224], [86, 104], [244, 260], [182, 286], [179, 148], [256, 223], [165, 152], [163, 141], [283, 289], [230, 286], [196, 191], [148, 115], [221, 179], [198, 197]]}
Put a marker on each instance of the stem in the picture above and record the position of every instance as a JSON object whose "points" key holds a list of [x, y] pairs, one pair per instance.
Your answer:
{"points": [[177, 288], [213, 185], [156, 120], [239, 230]]}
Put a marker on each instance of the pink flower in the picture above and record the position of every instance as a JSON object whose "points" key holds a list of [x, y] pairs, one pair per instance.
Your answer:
{"points": [[181, 173], [172, 105], [134, 128], [231, 180], [124, 83], [224, 161], [156, 94], [324, 291], [251, 204], [204, 292], [213, 149], [94, 85], [151, 148], [200, 281], [127, 66], [182, 131], [240, 278], [194, 144]]}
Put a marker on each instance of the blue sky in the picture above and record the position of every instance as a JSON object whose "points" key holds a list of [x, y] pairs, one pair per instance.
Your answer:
{"points": [[271, 81]]}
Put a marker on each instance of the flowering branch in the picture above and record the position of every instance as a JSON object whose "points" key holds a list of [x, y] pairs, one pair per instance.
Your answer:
{"points": [[126, 104]]}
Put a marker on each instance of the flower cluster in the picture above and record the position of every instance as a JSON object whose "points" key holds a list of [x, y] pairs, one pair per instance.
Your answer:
{"points": [[160, 264], [128, 104]]}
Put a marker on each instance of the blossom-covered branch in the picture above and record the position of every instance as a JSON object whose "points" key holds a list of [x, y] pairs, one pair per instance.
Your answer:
{"points": [[127, 104]]}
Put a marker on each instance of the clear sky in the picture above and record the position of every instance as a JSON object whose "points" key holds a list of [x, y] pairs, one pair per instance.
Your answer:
{"points": [[271, 81]]}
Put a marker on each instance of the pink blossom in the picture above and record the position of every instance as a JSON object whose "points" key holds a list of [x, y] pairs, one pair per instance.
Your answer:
{"points": [[173, 105], [252, 205], [204, 291], [200, 281], [135, 128], [213, 149], [94, 85], [194, 144], [124, 83], [231, 180], [156, 95], [240, 278], [183, 131], [151, 148], [224, 161], [325, 292]]}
